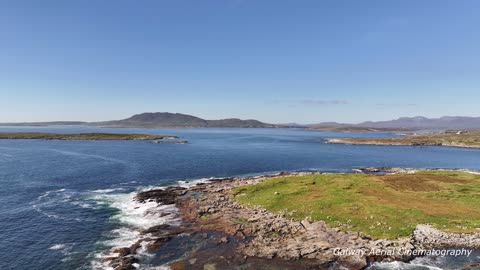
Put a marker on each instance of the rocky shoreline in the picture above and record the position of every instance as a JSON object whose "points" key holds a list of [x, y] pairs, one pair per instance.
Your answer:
{"points": [[404, 141], [234, 235]]}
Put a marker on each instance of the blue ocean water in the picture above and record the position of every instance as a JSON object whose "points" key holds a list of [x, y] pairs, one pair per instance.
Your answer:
{"points": [[65, 203]]}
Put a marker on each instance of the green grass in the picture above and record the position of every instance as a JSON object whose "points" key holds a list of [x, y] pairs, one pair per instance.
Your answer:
{"points": [[80, 136], [387, 206]]}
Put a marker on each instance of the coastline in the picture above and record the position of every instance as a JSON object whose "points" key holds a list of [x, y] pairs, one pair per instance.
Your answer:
{"points": [[378, 142], [243, 235], [403, 141]]}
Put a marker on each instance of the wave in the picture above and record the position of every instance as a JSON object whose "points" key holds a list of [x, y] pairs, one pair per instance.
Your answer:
{"points": [[83, 155], [64, 249], [107, 190], [52, 205], [189, 184], [133, 217], [57, 247], [402, 266]]}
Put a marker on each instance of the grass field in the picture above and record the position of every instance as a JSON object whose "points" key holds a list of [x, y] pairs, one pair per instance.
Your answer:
{"points": [[80, 136], [382, 206]]}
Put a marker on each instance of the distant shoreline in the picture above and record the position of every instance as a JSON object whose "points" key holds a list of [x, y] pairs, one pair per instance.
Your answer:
{"points": [[461, 139], [80, 136]]}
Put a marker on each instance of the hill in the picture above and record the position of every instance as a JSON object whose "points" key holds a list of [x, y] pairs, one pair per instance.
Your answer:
{"points": [[165, 119]]}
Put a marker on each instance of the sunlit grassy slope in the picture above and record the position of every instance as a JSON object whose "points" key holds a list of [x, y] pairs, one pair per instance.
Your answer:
{"points": [[382, 206]]}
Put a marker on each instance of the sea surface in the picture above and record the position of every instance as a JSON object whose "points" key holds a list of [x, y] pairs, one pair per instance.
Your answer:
{"points": [[65, 204]]}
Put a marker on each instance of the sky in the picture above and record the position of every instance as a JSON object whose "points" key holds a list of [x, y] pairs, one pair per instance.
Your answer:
{"points": [[278, 61]]}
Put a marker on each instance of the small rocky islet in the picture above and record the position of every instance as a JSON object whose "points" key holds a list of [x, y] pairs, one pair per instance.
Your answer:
{"points": [[235, 235]]}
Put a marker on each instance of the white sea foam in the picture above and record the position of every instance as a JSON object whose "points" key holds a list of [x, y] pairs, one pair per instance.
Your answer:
{"points": [[122, 237], [128, 183], [402, 266], [57, 247], [65, 249], [141, 215], [134, 217], [107, 190], [188, 184]]}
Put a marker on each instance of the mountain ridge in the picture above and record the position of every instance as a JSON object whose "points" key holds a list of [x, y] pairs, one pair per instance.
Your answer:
{"points": [[416, 122], [451, 122], [179, 120]]}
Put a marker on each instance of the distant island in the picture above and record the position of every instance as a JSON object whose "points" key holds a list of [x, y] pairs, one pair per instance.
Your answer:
{"points": [[165, 119], [81, 136], [454, 138]]}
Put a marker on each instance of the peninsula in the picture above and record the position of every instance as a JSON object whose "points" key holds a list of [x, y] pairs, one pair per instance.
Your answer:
{"points": [[454, 138], [305, 220], [81, 136]]}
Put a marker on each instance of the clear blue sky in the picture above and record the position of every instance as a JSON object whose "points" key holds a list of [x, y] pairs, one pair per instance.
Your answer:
{"points": [[276, 61]]}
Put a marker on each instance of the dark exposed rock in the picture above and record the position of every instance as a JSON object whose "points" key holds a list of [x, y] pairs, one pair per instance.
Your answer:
{"points": [[122, 252], [163, 196], [156, 229]]}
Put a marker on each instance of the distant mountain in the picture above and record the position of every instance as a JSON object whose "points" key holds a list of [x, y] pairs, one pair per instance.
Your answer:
{"points": [[420, 122], [165, 119]]}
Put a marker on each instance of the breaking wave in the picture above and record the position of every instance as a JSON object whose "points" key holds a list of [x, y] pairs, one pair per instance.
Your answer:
{"points": [[133, 217]]}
